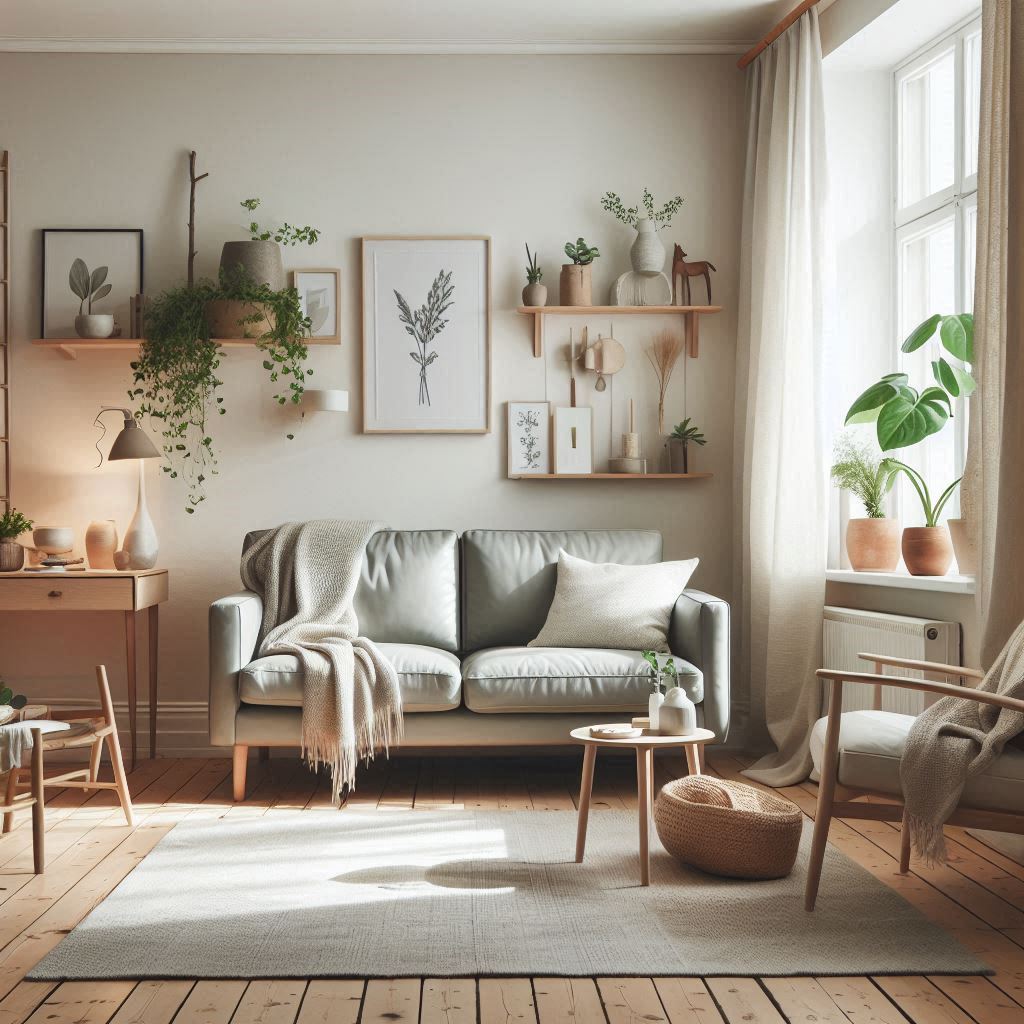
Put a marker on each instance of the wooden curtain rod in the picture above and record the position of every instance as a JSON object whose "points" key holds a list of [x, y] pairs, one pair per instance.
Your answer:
{"points": [[758, 48]]}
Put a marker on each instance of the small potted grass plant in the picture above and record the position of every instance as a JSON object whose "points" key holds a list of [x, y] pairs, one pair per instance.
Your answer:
{"points": [[574, 285], [12, 525], [535, 293], [872, 541]]}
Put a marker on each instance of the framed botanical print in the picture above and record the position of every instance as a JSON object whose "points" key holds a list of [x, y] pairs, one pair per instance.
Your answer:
{"points": [[89, 272], [427, 334], [529, 438], [574, 440], [320, 299]]}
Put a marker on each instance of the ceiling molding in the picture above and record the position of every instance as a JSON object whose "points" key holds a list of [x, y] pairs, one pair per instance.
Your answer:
{"points": [[59, 44]]}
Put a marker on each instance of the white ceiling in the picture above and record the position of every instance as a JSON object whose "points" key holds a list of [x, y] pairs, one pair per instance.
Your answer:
{"points": [[398, 26]]}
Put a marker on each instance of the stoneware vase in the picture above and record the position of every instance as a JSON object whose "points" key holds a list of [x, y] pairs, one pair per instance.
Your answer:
{"points": [[535, 294], [12, 556], [647, 254], [964, 548], [574, 285], [94, 325], [140, 543], [261, 261], [678, 456], [927, 550], [654, 703], [101, 543], [678, 714], [873, 545], [231, 318]]}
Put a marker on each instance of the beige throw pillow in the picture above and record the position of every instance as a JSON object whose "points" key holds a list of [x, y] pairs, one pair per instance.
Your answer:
{"points": [[603, 604]]}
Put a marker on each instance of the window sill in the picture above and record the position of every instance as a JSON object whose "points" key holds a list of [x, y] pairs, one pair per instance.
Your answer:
{"points": [[951, 584]]}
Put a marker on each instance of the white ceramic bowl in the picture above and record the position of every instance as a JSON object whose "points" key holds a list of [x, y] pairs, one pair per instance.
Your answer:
{"points": [[54, 540]]}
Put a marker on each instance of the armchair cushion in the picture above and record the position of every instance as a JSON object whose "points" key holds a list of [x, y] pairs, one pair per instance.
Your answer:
{"points": [[871, 745]]}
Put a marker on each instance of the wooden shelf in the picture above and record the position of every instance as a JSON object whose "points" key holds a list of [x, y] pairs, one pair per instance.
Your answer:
{"points": [[612, 476], [70, 347], [691, 313]]}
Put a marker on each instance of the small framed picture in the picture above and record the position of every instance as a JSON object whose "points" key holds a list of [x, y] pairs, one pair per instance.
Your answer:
{"points": [[529, 438], [89, 272], [320, 297], [574, 440]]}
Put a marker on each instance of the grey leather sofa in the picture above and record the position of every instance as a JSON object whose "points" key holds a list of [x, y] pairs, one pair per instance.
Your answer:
{"points": [[454, 615]]}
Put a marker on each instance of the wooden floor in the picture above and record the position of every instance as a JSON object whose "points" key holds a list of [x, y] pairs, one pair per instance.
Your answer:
{"points": [[978, 896]]}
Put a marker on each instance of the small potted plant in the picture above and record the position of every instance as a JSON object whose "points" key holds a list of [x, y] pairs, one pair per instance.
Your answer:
{"points": [[647, 253], [89, 288], [927, 550], [12, 525], [661, 673], [10, 703], [872, 542], [535, 293], [679, 441], [574, 286]]}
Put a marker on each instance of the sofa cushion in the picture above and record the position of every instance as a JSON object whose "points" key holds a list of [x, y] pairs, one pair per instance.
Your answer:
{"points": [[509, 576], [871, 745], [429, 679], [551, 680], [408, 590]]}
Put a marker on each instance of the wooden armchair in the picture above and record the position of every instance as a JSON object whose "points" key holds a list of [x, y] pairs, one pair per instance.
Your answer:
{"points": [[13, 801], [861, 751]]}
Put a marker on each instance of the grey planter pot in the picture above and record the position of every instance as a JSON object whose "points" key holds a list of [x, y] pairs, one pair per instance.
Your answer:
{"points": [[261, 261], [94, 325], [678, 456]]}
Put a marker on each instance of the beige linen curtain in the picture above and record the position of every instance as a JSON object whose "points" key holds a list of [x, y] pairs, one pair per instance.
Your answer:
{"points": [[781, 479], [993, 496]]}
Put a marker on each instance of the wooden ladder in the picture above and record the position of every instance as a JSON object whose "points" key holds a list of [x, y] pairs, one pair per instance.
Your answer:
{"points": [[5, 330]]}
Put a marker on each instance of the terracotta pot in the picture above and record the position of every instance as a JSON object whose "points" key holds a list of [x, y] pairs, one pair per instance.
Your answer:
{"points": [[873, 545], [258, 260], [927, 550], [574, 285], [101, 543], [227, 318], [964, 548], [12, 556], [535, 294]]}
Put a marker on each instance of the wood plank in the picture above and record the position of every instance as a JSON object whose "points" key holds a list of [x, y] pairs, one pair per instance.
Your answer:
{"points": [[269, 1001], [567, 1001], [153, 1002], [82, 1002], [687, 1001], [628, 1000], [981, 999], [804, 1000], [448, 1001], [391, 1001], [743, 1001], [331, 1002], [19, 1005], [399, 791], [436, 789], [211, 1002], [504, 1001], [921, 1001], [861, 1001]]}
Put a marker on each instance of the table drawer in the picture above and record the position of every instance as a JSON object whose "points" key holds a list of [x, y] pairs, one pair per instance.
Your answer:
{"points": [[59, 593]]}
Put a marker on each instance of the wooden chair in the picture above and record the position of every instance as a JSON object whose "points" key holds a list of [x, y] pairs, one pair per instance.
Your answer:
{"points": [[13, 801], [861, 756], [89, 730]]}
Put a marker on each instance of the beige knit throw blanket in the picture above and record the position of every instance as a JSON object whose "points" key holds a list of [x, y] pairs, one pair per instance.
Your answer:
{"points": [[307, 575], [951, 742]]}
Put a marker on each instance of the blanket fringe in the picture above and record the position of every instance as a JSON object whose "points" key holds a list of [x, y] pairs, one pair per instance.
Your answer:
{"points": [[927, 839]]}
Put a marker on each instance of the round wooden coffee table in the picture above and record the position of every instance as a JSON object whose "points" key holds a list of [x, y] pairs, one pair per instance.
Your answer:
{"points": [[644, 745]]}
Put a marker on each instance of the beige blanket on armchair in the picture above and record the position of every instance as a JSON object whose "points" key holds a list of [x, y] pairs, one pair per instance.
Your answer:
{"points": [[306, 574]]}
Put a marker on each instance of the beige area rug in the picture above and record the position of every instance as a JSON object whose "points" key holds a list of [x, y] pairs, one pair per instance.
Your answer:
{"points": [[449, 893]]}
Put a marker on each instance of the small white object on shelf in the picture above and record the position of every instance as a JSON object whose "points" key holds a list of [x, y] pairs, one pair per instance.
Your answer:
{"points": [[615, 732]]}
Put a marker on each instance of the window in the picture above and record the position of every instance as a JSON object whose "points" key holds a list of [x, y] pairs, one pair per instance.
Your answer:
{"points": [[937, 97]]}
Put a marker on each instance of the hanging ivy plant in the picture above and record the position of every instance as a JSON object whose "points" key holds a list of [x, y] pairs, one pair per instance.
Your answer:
{"points": [[175, 379]]}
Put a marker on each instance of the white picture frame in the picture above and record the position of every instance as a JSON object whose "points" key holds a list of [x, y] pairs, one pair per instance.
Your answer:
{"points": [[574, 440], [529, 439], [320, 299], [441, 383]]}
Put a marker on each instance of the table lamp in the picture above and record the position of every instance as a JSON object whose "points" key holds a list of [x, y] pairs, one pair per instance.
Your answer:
{"points": [[140, 543]]}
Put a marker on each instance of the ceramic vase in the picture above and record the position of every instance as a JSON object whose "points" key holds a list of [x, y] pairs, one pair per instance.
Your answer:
{"points": [[678, 715], [94, 325], [964, 548], [927, 550], [260, 261], [647, 254], [574, 285], [654, 703], [140, 543], [873, 545], [101, 543], [12, 556], [535, 294]]}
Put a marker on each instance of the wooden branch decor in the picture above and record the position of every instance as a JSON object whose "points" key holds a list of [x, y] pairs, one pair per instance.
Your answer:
{"points": [[193, 181], [758, 48]]}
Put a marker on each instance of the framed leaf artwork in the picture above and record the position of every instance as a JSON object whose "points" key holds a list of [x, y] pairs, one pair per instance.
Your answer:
{"points": [[529, 438]]}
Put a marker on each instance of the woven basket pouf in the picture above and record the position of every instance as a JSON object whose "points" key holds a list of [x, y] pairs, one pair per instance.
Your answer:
{"points": [[726, 828]]}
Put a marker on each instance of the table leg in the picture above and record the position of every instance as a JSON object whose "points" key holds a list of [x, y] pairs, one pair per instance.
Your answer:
{"points": [[154, 643], [586, 785], [644, 775], [129, 646], [693, 759]]}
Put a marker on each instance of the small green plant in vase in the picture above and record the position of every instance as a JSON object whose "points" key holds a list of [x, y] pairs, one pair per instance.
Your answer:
{"points": [[10, 703], [647, 253], [663, 674], [574, 285], [535, 293], [683, 435], [12, 525]]}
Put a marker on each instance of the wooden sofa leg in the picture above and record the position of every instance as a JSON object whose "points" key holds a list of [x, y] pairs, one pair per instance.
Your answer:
{"points": [[240, 760], [904, 844], [826, 795]]}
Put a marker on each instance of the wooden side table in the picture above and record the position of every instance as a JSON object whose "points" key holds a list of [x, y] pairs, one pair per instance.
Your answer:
{"points": [[644, 746], [99, 590]]}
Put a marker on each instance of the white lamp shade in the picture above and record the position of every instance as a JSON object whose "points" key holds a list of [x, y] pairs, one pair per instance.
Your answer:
{"points": [[324, 400]]}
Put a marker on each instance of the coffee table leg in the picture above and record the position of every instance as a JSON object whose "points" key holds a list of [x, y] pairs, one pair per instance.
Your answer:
{"points": [[693, 759], [586, 785], [644, 776]]}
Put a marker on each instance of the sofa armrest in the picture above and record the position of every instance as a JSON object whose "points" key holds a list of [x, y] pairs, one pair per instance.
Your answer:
{"points": [[699, 632], [234, 630]]}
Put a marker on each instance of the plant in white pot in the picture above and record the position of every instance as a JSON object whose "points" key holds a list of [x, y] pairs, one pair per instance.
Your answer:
{"points": [[12, 525], [647, 253], [89, 288], [661, 673], [872, 542]]}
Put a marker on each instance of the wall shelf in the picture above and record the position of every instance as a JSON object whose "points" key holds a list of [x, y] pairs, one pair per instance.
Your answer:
{"points": [[613, 476], [70, 347], [691, 313]]}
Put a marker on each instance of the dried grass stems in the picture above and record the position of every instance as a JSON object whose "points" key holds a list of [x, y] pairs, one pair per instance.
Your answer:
{"points": [[663, 353]]}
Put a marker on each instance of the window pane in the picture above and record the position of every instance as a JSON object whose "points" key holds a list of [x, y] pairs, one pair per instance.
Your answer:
{"points": [[972, 101], [926, 118]]}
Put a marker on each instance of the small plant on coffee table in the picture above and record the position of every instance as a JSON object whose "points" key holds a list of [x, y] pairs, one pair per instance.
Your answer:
{"points": [[661, 671]]}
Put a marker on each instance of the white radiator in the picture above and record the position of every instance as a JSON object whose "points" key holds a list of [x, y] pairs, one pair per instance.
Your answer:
{"points": [[848, 631]]}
